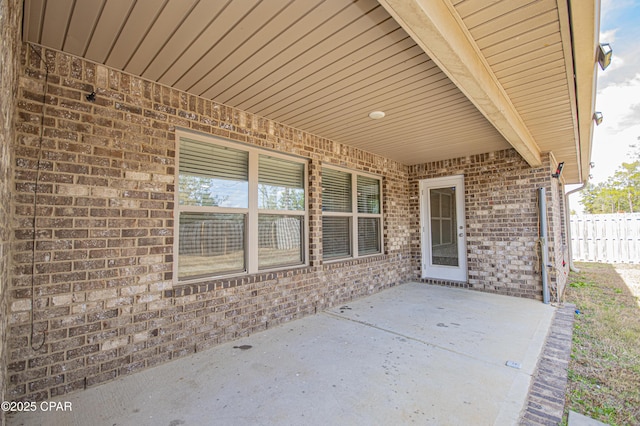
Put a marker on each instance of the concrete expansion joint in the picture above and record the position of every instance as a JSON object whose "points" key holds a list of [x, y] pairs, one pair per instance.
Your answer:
{"points": [[414, 339]]}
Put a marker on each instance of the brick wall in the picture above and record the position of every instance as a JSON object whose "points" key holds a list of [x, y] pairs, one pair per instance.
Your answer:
{"points": [[105, 302], [501, 220], [10, 21]]}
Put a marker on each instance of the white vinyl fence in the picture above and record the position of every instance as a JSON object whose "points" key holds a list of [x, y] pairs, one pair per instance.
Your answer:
{"points": [[608, 238]]}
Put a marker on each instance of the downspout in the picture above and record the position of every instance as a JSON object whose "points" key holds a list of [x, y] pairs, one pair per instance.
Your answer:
{"points": [[542, 211], [567, 220]]}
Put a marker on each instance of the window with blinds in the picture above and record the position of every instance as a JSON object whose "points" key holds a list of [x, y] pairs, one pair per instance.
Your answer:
{"points": [[239, 209], [368, 195], [369, 241], [368, 235], [280, 184], [351, 214], [336, 237], [336, 191], [211, 175], [281, 194], [211, 244]]}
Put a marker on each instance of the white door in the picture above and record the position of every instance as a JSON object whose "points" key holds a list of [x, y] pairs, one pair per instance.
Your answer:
{"points": [[444, 252]]}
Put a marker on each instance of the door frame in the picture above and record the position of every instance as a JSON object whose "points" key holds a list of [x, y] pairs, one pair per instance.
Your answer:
{"points": [[450, 273]]}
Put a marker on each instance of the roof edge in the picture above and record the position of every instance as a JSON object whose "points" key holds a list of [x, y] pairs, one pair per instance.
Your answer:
{"points": [[585, 32]]}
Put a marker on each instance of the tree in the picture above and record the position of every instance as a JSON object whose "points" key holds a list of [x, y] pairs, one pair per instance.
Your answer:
{"points": [[199, 191], [619, 194], [273, 197]]}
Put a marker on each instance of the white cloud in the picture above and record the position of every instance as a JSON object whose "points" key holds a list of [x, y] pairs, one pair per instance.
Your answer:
{"points": [[619, 28], [610, 7], [608, 36], [619, 102], [620, 106], [618, 96]]}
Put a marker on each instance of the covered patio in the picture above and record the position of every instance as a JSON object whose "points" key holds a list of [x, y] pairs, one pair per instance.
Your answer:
{"points": [[183, 177], [410, 354]]}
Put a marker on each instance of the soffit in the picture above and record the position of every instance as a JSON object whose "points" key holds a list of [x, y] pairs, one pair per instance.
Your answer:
{"points": [[322, 66], [527, 45]]}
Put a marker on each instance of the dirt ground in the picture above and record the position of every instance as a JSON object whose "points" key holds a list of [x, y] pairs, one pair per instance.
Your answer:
{"points": [[631, 276]]}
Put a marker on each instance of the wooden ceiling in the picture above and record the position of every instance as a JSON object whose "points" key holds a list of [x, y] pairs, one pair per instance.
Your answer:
{"points": [[323, 65]]}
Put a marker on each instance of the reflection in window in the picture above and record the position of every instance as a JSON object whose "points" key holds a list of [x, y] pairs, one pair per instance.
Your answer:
{"points": [[212, 175], [230, 224], [279, 240], [210, 244], [280, 184]]}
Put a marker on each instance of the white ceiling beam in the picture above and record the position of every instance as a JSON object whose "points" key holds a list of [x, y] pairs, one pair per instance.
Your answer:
{"points": [[436, 27]]}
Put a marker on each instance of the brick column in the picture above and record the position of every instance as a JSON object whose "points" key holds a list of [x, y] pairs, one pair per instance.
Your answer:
{"points": [[10, 50]]}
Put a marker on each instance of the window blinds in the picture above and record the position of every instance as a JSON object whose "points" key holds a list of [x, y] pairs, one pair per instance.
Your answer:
{"points": [[213, 161], [280, 184], [368, 235], [336, 191], [281, 173], [336, 237], [368, 195]]}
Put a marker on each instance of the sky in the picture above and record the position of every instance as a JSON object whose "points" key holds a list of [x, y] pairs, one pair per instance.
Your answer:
{"points": [[618, 92]]}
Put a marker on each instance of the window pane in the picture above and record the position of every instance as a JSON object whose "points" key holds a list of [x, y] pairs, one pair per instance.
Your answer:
{"points": [[368, 235], [279, 240], [280, 184], [446, 200], [368, 195], [210, 243], [212, 175], [436, 234], [435, 203], [336, 237], [336, 191], [444, 244]]}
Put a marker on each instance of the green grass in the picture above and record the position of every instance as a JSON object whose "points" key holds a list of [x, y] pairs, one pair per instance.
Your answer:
{"points": [[604, 371], [580, 284]]}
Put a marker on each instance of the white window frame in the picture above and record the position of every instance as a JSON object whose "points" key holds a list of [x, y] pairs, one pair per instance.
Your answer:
{"points": [[252, 212], [354, 215]]}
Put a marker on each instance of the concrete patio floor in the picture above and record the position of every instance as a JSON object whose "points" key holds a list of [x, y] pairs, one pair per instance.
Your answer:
{"points": [[415, 353]]}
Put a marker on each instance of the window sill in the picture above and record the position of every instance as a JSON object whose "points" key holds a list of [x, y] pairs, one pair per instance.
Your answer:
{"points": [[334, 263], [212, 284], [204, 285]]}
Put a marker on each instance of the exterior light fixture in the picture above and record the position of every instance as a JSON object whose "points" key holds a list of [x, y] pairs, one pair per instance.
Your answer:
{"points": [[376, 115], [604, 55], [558, 170], [597, 116]]}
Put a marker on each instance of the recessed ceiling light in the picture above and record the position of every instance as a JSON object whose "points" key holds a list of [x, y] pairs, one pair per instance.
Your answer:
{"points": [[376, 115]]}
